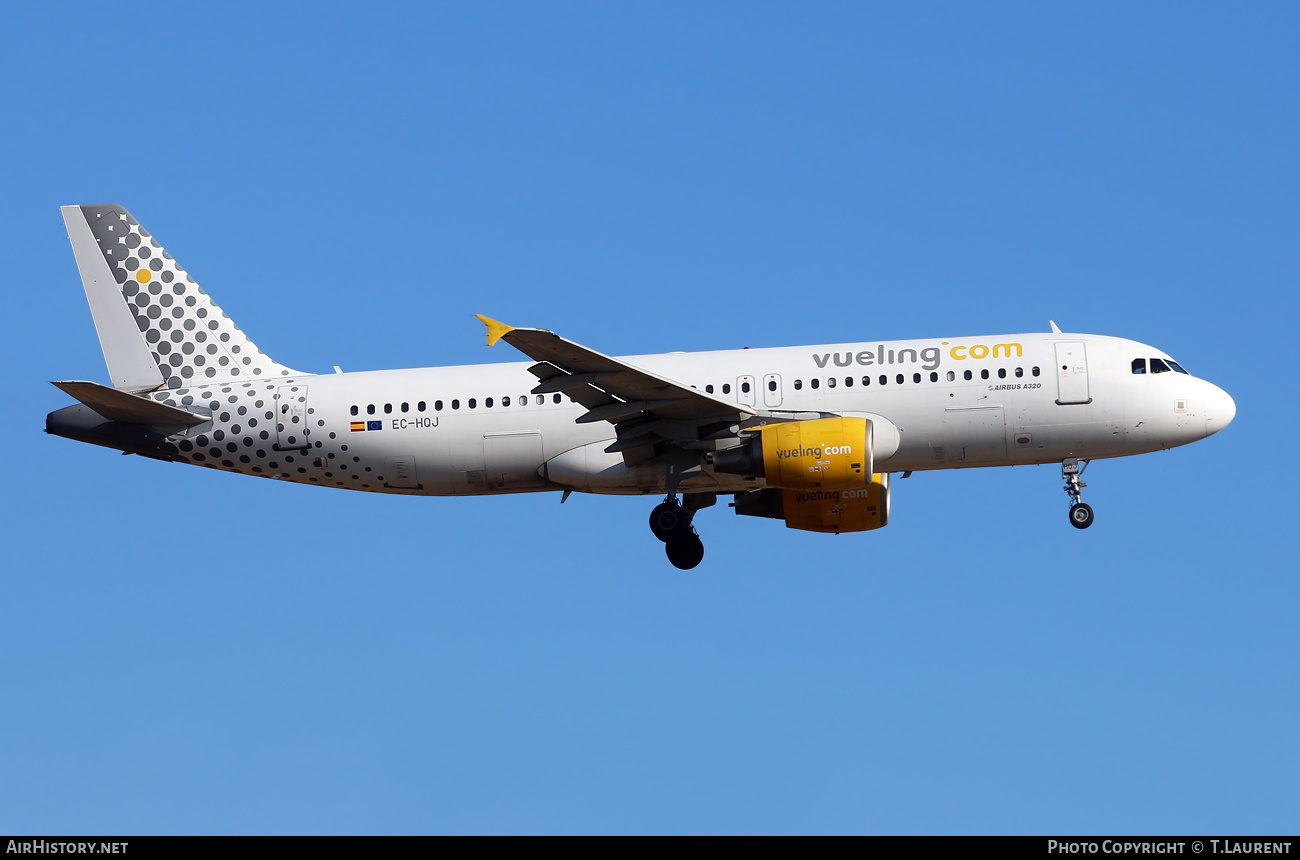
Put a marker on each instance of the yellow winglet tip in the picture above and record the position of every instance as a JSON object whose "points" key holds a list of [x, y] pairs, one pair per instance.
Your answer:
{"points": [[495, 330]]}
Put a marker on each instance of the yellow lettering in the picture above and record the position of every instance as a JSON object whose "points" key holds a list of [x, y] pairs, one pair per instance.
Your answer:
{"points": [[1005, 349], [979, 350], [953, 353]]}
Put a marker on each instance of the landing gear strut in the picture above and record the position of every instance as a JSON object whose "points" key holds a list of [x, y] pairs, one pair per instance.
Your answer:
{"points": [[1071, 471], [671, 523]]}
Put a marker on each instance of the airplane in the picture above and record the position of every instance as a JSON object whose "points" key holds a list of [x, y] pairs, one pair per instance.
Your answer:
{"points": [[809, 435]]}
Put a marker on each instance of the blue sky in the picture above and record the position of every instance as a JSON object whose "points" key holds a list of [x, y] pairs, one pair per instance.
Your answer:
{"points": [[192, 652]]}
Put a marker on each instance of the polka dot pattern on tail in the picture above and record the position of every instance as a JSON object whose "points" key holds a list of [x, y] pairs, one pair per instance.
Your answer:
{"points": [[166, 301]]}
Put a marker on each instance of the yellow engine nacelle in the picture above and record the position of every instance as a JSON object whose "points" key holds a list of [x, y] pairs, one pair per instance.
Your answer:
{"points": [[856, 509], [824, 453]]}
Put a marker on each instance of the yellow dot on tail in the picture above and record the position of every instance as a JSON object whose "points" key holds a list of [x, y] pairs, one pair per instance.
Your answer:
{"points": [[142, 276]]}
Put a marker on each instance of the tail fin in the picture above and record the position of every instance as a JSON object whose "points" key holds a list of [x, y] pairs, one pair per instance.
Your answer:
{"points": [[157, 327]]}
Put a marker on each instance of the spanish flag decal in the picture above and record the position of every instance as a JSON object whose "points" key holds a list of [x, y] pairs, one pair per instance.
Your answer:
{"points": [[358, 425]]}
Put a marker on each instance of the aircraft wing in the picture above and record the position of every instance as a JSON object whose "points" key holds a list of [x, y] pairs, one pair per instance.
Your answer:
{"points": [[613, 390]]}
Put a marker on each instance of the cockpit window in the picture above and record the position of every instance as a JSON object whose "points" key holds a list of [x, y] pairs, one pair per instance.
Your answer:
{"points": [[1139, 365], [1178, 367], [1158, 366]]}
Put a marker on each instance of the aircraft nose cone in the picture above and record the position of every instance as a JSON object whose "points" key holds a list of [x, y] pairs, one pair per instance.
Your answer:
{"points": [[1220, 409]]}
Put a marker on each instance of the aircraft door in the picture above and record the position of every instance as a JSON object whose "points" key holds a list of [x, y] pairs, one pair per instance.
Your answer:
{"points": [[745, 392], [291, 431], [772, 389], [1071, 373]]}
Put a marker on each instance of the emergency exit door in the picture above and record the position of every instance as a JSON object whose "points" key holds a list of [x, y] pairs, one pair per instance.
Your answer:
{"points": [[745, 392], [772, 390]]}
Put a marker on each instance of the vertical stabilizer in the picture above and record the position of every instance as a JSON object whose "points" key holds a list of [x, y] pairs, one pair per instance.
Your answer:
{"points": [[131, 365], [157, 327]]}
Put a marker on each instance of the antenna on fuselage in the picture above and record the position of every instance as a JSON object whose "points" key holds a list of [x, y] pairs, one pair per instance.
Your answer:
{"points": [[1055, 327]]}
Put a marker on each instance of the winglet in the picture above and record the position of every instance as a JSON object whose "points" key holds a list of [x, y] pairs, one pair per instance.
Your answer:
{"points": [[496, 330]]}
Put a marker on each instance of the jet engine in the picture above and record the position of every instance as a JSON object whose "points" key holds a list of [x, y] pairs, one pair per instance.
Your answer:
{"points": [[856, 509], [820, 454]]}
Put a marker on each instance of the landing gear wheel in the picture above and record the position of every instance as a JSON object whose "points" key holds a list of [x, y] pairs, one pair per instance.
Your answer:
{"points": [[1071, 471], [668, 520], [685, 551], [1080, 515]]}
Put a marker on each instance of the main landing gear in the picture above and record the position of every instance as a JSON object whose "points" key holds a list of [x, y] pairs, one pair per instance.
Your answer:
{"points": [[671, 523], [1071, 471]]}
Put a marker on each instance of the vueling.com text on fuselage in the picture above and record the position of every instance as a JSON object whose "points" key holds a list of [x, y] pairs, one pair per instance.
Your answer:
{"points": [[929, 358]]}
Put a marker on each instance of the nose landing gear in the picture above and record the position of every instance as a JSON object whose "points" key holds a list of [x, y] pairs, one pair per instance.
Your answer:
{"points": [[1080, 514], [671, 523]]}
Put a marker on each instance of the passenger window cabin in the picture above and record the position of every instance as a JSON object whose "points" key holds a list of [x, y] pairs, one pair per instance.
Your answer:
{"points": [[1138, 366]]}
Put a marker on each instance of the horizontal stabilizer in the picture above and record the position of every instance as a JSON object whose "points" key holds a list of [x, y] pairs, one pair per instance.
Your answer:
{"points": [[118, 405]]}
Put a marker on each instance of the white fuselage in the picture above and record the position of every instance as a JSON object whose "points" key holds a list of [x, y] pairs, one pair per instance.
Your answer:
{"points": [[1036, 398]]}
